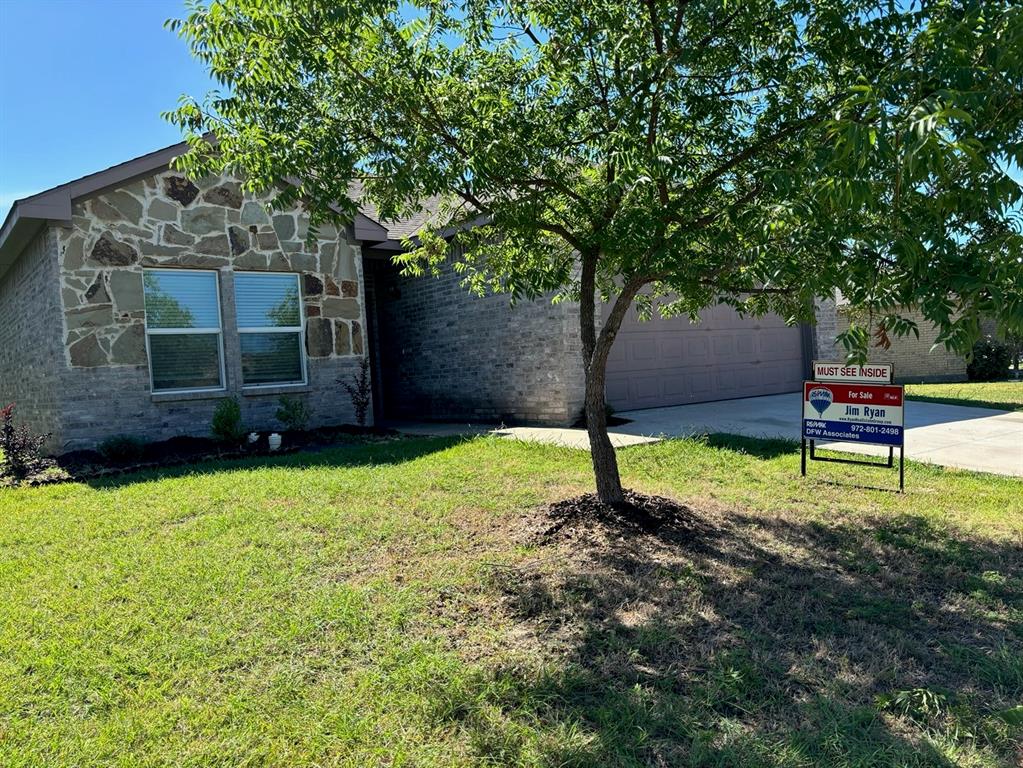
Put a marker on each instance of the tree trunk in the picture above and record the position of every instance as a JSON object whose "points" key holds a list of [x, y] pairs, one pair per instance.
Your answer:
{"points": [[605, 462], [595, 351]]}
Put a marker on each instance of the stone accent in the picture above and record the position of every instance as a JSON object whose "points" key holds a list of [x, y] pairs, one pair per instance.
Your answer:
{"points": [[319, 337], [284, 226], [89, 317], [126, 287], [174, 236], [228, 194], [162, 210], [239, 240], [254, 214], [311, 285], [343, 308], [342, 338], [180, 189], [77, 338], [130, 347], [168, 221], [203, 221], [356, 337], [87, 353], [110, 252], [97, 292]]}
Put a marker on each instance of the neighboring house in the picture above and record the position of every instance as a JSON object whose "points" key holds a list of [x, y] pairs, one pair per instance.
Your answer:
{"points": [[133, 300], [913, 359]]}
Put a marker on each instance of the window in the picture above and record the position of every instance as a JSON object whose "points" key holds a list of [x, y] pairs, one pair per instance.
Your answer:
{"points": [[269, 311], [183, 329]]}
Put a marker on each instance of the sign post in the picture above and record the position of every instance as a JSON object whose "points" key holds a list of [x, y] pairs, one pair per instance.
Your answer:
{"points": [[853, 404]]}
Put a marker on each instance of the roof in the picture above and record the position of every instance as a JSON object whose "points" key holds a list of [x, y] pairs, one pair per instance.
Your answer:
{"points": [[397, 230], [28, 215]]}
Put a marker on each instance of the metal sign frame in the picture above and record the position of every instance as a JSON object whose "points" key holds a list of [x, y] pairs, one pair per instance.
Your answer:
{"points": [[812, 443]]}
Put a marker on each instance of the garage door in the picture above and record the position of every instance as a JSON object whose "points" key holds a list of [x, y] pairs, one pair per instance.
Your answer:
{"points": [[671, 361]]}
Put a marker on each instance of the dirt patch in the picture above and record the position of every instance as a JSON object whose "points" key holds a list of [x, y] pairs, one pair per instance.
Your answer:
{"points": [[772, 621], [641, 513]]}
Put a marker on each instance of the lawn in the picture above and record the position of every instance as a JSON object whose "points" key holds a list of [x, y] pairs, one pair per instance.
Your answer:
{"points": [[380, 605], [1007, 395]]}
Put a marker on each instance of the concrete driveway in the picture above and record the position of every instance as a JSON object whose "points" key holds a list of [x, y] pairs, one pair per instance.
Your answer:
{"points": [[982, 439], [971, 438]]}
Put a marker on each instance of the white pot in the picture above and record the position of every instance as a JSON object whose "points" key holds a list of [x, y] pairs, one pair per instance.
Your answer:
{"points": [[253, 437], [274, 441]]}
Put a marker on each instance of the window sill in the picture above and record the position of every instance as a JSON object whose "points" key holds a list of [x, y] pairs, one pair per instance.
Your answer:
{"points": [[202, 394], [276, 389]]}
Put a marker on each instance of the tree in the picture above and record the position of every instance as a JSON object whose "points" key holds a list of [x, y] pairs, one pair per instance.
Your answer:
{"points": [[690, 152]]}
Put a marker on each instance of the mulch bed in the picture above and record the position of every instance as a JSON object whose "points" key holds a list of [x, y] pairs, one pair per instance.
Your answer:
{"points": [[641, 513], [178, 451]]}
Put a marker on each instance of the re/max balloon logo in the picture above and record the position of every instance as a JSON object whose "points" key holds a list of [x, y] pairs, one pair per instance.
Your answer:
{"points": [[820, 398]]}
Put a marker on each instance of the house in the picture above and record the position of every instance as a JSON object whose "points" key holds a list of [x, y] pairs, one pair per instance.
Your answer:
{"points": [[132, 300]]}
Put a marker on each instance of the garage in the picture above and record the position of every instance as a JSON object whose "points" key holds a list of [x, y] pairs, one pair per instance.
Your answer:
{"points": [[670, 361]]}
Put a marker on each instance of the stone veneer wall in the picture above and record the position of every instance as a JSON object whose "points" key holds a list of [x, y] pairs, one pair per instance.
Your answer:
{"points": [[911, 357], [447, 354], [31, 348], [167, 221]]}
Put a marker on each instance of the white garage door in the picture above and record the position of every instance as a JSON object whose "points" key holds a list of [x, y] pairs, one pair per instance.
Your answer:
{"points": [[671, 361]]}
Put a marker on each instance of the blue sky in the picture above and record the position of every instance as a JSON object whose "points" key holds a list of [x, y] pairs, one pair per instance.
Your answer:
{"points": [[82, 86]]}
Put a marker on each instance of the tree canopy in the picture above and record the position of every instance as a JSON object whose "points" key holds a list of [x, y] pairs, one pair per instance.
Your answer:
{"points": [[759, 153]]}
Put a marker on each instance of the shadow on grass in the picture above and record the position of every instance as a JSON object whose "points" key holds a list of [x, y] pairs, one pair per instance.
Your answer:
{"points": [[357, 453], [762, 448], [761, 642]]}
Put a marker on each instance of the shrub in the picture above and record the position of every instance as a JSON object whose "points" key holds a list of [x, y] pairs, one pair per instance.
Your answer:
{"points": [[990, 361], [227, 421], [293, 413], [20, 450], [359, 391], [122, 449]]}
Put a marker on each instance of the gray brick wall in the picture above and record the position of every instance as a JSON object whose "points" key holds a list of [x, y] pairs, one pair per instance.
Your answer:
{"points": [[446, 354], [31, 347], [913, 359], [106, 401], [825, 330]]}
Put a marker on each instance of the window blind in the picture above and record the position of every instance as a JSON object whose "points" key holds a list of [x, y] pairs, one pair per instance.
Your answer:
{"points": [[183, 332], [269, 311]]}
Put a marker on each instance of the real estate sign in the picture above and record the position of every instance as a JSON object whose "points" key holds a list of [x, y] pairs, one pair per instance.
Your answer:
{"points": [[852, 412]]}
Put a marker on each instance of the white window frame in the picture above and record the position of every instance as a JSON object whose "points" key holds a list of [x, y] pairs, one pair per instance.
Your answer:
{"points": [[187, 331], [300, 329]]}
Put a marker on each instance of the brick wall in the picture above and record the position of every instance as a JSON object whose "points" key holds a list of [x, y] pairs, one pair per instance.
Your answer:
{"points": [[30, 336], [106, 401], [913, 359], [447, 354]]}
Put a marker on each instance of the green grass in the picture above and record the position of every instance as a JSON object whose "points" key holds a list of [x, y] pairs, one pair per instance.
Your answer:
{"points": [[376, 605], [1006, 395]]}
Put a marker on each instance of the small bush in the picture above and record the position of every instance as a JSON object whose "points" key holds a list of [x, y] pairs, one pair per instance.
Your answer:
{"points": [[293, 413], [20, 450], [122, 449], [991, 360], [359, 390], [227, 421]]}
